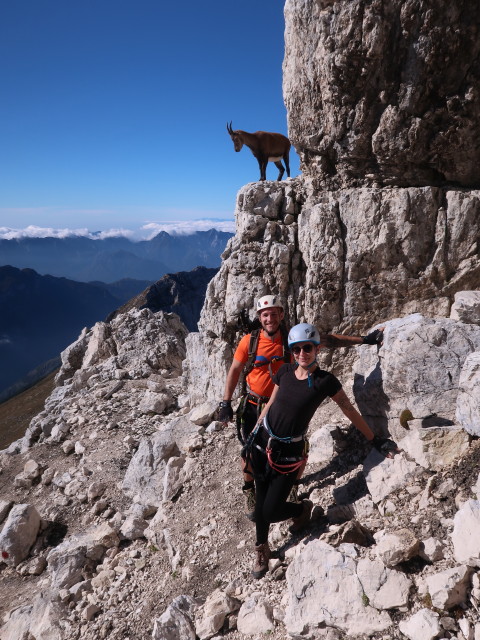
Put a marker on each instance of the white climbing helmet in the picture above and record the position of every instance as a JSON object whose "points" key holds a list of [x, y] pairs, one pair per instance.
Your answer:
{"points": [[303, 332], [267, 302]]}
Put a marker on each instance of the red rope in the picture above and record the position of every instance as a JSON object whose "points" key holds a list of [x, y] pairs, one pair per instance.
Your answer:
{"points": [[284, 468]]}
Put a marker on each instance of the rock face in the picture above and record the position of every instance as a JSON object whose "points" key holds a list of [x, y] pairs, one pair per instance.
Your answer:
{"points": [[182, 293], [343, 260], [365, 97], [420, 373]]}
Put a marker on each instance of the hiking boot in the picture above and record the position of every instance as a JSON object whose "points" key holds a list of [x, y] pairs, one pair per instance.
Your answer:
{"points": [[304, 518], [250, 502], [262, 553]]}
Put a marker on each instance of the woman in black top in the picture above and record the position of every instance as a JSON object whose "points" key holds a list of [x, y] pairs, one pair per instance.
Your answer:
{"points": [[278, 447]]}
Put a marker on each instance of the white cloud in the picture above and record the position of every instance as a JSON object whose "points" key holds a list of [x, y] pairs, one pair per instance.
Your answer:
{"points": [[146, 232], [32, 231]]}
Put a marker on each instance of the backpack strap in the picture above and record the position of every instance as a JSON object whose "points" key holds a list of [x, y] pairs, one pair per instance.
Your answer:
{"points": [[252, 354], [287, 355]]}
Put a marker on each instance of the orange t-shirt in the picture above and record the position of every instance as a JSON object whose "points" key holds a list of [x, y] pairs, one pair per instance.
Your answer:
{"points": [[259, 380]]}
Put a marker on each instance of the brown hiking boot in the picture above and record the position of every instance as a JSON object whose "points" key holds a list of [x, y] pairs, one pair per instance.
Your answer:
{"points": [[304, 518], [262, 553], [250, 503]]}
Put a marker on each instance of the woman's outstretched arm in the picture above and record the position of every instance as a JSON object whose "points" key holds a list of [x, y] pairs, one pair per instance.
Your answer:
{"points": [[352, 414]]}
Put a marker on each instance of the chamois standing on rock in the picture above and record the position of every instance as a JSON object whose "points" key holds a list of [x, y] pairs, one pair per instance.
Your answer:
{"points": [[265, 147]]}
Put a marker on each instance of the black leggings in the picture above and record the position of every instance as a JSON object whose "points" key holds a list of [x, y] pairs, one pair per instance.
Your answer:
{"points": [[271, 493]]}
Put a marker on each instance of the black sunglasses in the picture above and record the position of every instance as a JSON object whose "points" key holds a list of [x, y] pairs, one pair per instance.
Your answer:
{"points": [[306, 348]]}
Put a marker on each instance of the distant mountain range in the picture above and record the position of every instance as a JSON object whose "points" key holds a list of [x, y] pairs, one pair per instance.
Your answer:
{"points": [[41, 315], [112, 259]]}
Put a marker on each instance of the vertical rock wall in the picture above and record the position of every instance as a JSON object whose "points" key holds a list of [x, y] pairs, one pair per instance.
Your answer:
{"points": [[384, 91], [344, 260]]}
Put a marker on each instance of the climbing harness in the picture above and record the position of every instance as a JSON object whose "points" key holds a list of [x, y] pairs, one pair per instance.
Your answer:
{"points": [[284, 464]]}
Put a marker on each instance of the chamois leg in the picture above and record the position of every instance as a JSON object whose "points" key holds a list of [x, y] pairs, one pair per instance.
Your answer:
{"points": [[263, 168], [287, 162], [280, 168]]}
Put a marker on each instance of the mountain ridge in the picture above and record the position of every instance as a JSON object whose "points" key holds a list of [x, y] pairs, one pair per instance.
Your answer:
{"points": [[111, 259]]}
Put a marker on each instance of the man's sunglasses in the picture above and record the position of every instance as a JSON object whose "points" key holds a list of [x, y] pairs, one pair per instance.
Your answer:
{"points": [[306, 348]]}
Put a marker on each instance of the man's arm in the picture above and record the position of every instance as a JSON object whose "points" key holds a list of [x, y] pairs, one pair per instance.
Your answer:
{"points": [[232, 379], [225, 411], [335, 340]]}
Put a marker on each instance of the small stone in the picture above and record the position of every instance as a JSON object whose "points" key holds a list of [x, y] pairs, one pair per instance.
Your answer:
{"points": [[90, 611], [47, 476], [79, 449], [68, 446]]}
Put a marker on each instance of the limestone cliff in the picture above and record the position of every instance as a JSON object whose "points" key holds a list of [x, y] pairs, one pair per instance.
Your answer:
{"points": [[384, 91]]}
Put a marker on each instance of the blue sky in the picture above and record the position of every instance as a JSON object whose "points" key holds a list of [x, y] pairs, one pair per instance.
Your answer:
{"points": [[113, 113]]}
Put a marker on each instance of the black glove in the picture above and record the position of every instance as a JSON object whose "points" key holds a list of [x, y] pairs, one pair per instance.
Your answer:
{"points": [[225, 411], [375, 337], [385, 446]]}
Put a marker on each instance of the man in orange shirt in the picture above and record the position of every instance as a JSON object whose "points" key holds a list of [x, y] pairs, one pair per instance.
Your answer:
{"points": [[267, 354]]}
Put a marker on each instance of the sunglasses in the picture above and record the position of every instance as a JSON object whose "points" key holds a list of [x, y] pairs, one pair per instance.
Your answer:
{"points": [[306, 348]]}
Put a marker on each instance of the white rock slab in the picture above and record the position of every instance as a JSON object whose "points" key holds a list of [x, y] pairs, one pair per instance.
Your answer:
{"points": [[423, 625], [465, 535], [468, 400], [385, 475], [466, 307], [435, 447], [449, 588], [323, 588], [255, 616], [384, 588], [19, 533]]}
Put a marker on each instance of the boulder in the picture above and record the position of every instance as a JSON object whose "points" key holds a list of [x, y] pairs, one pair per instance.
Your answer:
{"points": [[418, 369], [385, 475], [384, 588], [145, 473], [203, 413], [465, 538], [468, 401], [155, 403], [396, 546], [434, 447], [211, 616], [431, 549], [423, 625], [176, 623], [323, 589], [466, 307], [255, 616], [449, 588], [40, 619], [321, 445], [19, 533]]}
